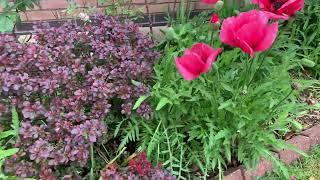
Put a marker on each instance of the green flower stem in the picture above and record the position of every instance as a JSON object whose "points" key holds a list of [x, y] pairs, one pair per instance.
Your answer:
{"points": [[211, 39], [286, 97], [250, 67], [92, 162], [260, 65]]}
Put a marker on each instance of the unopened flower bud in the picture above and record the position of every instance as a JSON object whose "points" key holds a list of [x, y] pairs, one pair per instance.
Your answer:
{"points": [[218, 6], [215, 21], [236, 12]]}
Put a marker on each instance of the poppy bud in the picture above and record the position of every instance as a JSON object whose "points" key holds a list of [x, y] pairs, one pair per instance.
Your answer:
{"points": [[215, 20], [218, 6]]}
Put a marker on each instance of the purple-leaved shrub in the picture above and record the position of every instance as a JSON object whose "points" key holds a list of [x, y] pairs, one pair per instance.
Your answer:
{"points": [[64, 86]]}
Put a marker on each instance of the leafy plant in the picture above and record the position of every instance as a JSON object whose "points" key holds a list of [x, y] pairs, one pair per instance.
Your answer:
{"points": [[13, 133], [66, 85], [235, 114], [10, 12], [122, 8], [304, 32]]}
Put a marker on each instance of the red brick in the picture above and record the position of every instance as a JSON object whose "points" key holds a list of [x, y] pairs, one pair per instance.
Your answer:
{"points": [[263, 167], [53, 4], [41, 15], [142, 1], [154, 1], [301, 142], [23, 16], [314, 134], [86, 3], [234, 174]]}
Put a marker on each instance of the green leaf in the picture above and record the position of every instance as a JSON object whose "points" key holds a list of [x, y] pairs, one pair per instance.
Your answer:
{"points": [[139, 102], [101, 2], [170, 33], [227, 151], [7, 22], [136, 83], [225, 104], [163, 101], [307, 62], [297, 127], [3, 3], [15, 119], [8, 152], [118, 128], [226, 87], [221, 134], [7, 133]]}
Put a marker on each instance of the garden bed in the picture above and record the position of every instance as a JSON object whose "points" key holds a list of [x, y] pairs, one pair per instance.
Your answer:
{"points": [[224, 91]]}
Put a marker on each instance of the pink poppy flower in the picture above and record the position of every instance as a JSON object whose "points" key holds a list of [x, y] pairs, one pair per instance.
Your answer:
{"points": [[196, 61], [210, 1], [215, 19], [249, 31], [280, 9]]}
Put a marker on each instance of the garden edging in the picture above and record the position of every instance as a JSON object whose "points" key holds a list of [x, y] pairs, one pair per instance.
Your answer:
{"points": [[304, 141]]}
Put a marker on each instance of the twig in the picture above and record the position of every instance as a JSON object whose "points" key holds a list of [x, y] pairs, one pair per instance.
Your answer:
{"points": [[102, 155], [14, 26], [174, 6], [149, 16], [114, 159]]}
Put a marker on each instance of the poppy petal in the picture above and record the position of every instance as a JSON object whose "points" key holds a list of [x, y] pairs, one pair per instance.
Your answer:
{"points": [[187, 75], [203, 50], [270, 35], [291, 7], [246, 48], [210, 1], [211, 59], [191, 62], [275, 16], [227, 33]]}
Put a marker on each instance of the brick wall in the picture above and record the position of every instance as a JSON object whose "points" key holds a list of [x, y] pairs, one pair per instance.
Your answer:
{"points": [[55, 9]]}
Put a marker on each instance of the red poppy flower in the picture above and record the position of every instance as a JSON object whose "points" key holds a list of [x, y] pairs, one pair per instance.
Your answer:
{"points": [[249, 31], [280, 9], [197, 60], [210, 1], [215, 19]]}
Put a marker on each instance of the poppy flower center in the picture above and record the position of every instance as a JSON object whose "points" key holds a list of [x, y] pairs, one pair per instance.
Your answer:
{"points": [[276, 4]]}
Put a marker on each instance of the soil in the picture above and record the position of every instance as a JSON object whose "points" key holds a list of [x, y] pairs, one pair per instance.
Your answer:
{"points": [[313, 116]]}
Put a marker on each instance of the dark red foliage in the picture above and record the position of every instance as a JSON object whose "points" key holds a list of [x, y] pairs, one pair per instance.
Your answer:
{"points": [[139, 168], [140, 164], [66, 84]]}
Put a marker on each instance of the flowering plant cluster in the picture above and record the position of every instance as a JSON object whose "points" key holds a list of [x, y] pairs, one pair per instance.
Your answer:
{"points": [[250, 31], [224, 98], [138, 168], [65, 85]]}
